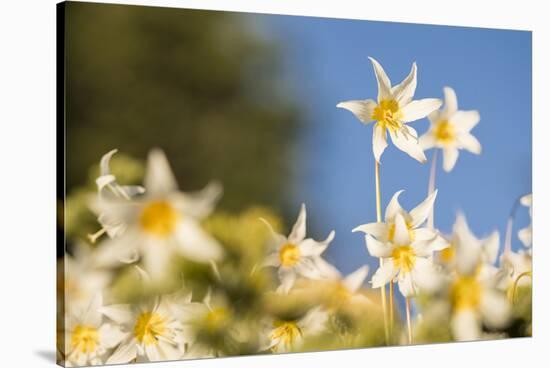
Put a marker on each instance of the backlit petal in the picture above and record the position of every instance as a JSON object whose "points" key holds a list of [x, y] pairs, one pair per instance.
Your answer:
{"points": [[419, 109], [362, 109]]}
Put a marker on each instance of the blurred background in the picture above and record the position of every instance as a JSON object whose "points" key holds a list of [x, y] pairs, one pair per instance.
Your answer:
{"points": [[250, 100]]}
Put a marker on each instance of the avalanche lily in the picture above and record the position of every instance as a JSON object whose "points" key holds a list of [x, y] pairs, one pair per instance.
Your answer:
{"points": [[450, 130], [392, 111], [158, 224], [297, 256], [404, 246]]}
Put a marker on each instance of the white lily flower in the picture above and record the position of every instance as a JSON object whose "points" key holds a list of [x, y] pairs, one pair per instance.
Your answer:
{"points": [[82, 280], [405, 247], [526, 234], [297, 256], [154, 333], [450, 130], [88, 338], [157, 224], [392, 111], [474, 296], [282, 336]]}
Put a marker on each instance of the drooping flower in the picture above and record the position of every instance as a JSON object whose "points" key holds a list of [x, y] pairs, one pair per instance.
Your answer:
{"points": [[88, 338], [281, 336], [297, 255], [392, 111], [526, 234], [405, 247], [153, 331], [450, 130], [158, 224], [473, 291]]}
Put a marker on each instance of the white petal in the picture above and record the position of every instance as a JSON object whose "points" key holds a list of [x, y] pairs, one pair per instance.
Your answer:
{"points": [[111, 335], [287, 277], [325, 270], [393, 207], [404, 91], [450, 155], [466, 326], [401, 235], [125, 353], [197, 204], [314, 321], [490, 248], [408, 144], [426, 276], [451, 104], [469, 142], [406, 285], [157, 254], [159, 178], [421, 212], [276, 238], [272, 260], [468, 249], [376, 229], [384, 84], [310, 247], [384, 274], [298, 232], [119, 313], [195, 244], [354, 280], [527, 200], [379, 141], [419, 109], [362, 109], [377, 248], [465, 120], [495, 309], [426, 141], [526, 236]]}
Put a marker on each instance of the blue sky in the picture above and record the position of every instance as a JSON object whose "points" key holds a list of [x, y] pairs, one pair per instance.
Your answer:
{"points": [[326, 62]]}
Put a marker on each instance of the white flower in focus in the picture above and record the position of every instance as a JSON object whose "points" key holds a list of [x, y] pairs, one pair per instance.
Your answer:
{"points": [[157, 224], [450, 130], [526, 234], [473, 291], [153, 331], [405, 247], [392, 111], [88, 338], [297, 256], [282, 336]]}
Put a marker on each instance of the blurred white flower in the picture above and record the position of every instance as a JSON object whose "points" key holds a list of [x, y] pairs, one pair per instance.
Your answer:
{"points": [[82, 280], [281, 336], [347, 287], [516, 269], [450, 130], [526, 234], [474, 296], [405, 247], [153, 333], [392, 111], [297, 256], [157, 224], [88, 338]]}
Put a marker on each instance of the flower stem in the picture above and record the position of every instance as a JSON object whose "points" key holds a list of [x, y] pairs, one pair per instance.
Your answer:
{"points": [[431, 187], [379, 219], [391, 308], [409, 325]]}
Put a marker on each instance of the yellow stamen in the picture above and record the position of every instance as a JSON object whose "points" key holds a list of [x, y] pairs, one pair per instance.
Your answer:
{"points": [[444, 132], [289, 255], [286, 332], [85, 339], [388, 114], [466, 293], [149, 326], [159, 219], [404, 258]]}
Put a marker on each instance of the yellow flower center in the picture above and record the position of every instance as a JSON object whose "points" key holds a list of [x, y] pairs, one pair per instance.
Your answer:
{"points": [[285, 332], [404, 258], [289, 255], [448, 254], [444, 132], [85, 339], [466, 293], [388, 114], [391, 232], [217, 318], [159, 219], [149, 326]]}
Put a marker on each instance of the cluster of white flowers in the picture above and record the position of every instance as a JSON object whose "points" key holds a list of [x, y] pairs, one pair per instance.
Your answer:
{"points": [[144, 228]]}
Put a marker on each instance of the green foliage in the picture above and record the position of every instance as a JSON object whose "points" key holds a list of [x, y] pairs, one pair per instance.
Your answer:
{"points": [[198, 84]]}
